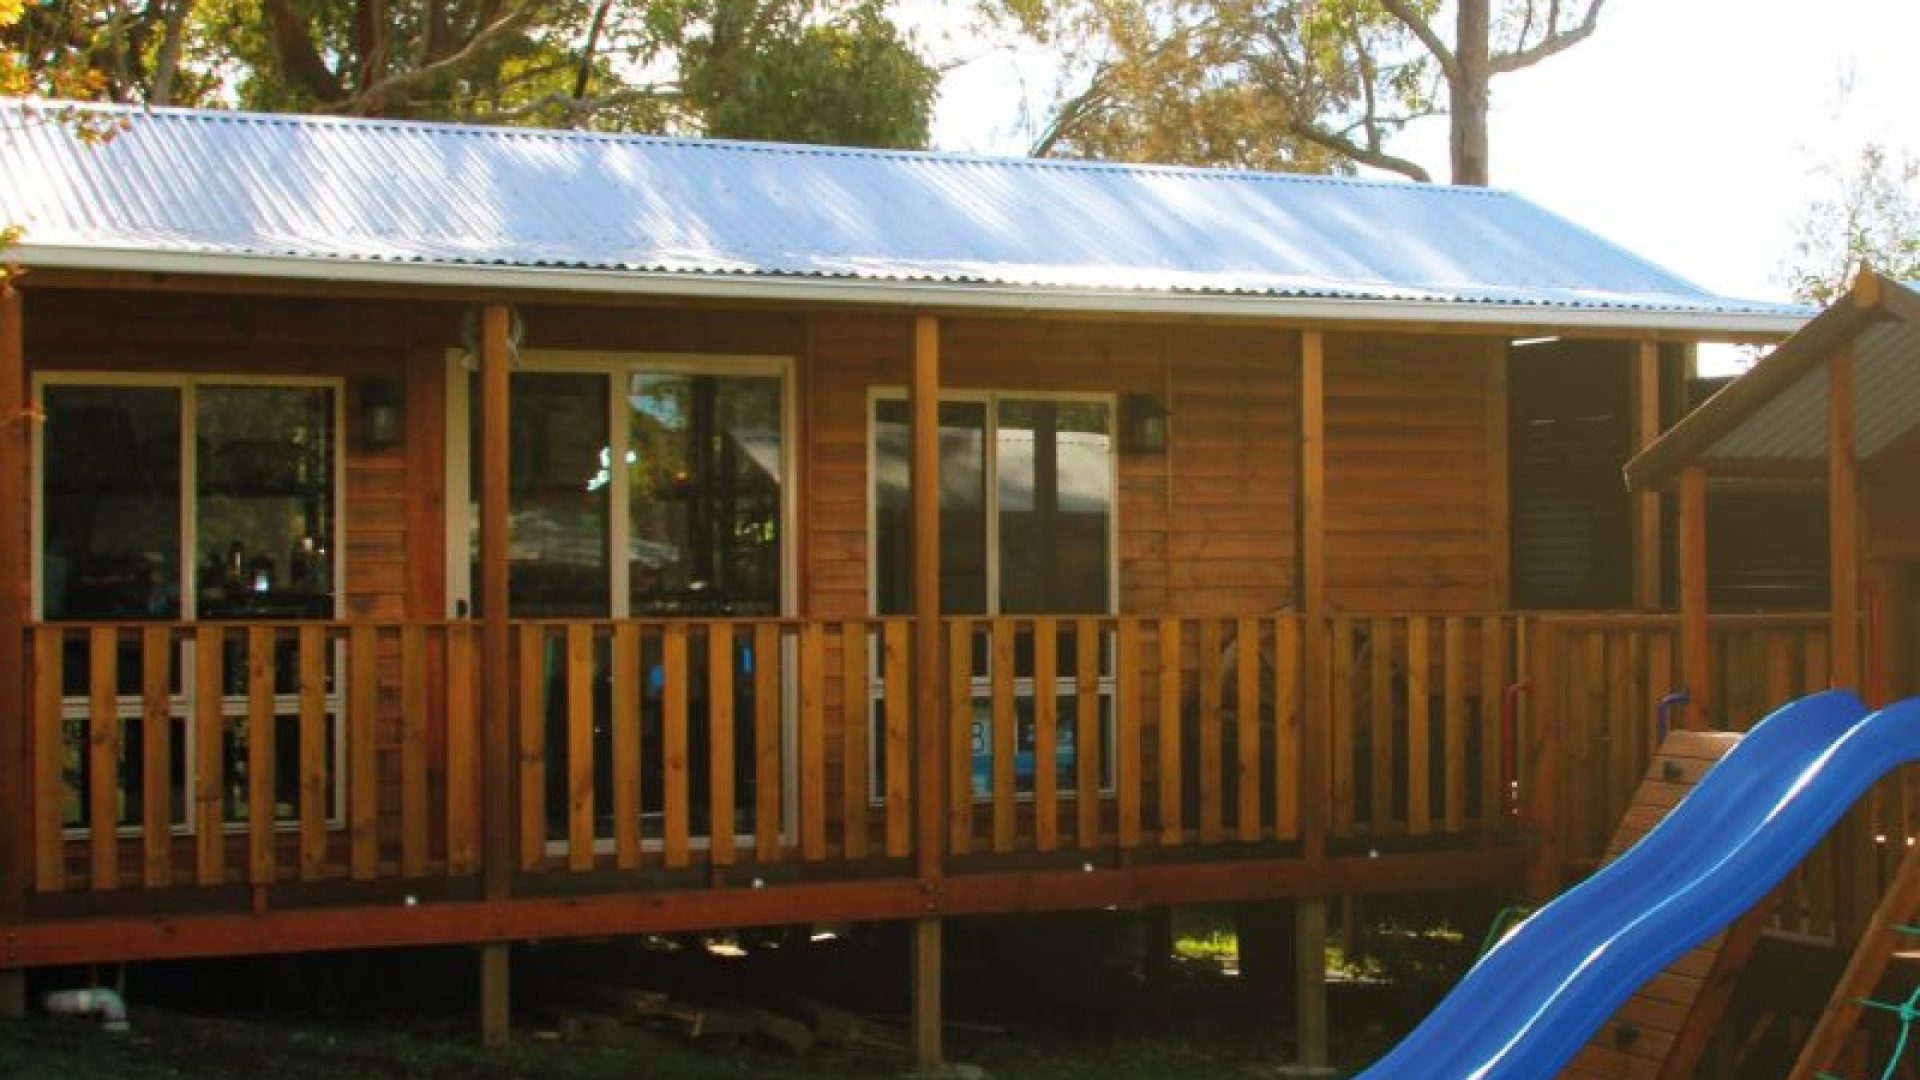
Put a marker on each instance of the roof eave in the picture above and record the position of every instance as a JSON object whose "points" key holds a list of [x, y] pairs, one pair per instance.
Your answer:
{"points": [[899, 293], [1871, 299]]}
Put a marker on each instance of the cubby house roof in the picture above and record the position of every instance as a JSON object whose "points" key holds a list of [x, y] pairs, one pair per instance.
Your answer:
{"points": [[1772, 421], [207, 191]]}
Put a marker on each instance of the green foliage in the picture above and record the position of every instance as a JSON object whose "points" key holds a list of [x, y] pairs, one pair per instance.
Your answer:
{"points": [[805, 70], [780, 70], [1303, 85], [1864, 215]]}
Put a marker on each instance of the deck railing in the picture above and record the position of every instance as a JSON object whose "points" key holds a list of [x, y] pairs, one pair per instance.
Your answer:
{"points": [[263, 754]]}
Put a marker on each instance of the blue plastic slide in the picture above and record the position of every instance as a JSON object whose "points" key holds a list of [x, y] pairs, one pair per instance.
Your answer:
{"points": [[1536, 998]]}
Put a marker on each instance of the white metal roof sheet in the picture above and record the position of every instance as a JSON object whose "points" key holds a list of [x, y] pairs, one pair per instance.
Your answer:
{"points": [[336, 192], [1792, 426]]}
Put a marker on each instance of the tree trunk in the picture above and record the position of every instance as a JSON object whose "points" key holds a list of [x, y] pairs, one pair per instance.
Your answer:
{"points": [[1467, 94]]}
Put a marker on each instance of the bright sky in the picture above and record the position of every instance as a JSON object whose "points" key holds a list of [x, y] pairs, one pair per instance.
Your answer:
{"points": [[1690, 131]]}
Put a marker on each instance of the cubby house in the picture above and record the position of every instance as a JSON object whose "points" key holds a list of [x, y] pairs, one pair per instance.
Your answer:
{"points": [[542, 529]]}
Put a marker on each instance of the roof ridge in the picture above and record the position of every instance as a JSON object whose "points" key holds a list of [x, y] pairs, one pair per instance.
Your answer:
{"points": [[703, 143]]}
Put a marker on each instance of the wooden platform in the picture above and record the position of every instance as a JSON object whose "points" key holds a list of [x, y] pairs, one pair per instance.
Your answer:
{"points": [[1640, 1041]]}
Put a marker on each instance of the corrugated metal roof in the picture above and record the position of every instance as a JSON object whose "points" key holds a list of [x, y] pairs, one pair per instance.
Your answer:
{"points": [[334, 191], [1792, 426], [1773, 420]]}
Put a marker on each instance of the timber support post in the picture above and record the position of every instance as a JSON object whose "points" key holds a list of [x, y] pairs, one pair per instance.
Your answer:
{"points": [[930, 730], [1310, 525], [1541, 801], [16, 810], [496, 721], [1696, 642], [1648, 573], [1843, 523]]}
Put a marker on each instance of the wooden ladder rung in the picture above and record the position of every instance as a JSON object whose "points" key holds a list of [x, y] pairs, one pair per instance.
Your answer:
{"points": [[1881, 939]]}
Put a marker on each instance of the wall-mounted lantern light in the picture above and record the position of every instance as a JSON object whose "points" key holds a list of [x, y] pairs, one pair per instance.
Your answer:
{"points": [[1146, 424], [379, 413]]}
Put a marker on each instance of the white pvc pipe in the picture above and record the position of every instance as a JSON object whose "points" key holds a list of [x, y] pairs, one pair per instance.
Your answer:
{"points": [[108, 1005]]}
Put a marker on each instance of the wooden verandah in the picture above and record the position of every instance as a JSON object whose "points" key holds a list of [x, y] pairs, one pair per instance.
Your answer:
{"points": [[420, 781]]}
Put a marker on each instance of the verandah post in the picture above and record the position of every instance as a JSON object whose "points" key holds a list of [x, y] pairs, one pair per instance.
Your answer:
{"points": [[496, 755], [1696, 647], [1310, 501], [1648, 576], [929, 733], [1843, 536], [16, 442]]}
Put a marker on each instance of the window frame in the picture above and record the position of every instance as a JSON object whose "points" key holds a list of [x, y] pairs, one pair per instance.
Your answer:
{"points": [[1107, 683], [612, 366], [130, 707]]}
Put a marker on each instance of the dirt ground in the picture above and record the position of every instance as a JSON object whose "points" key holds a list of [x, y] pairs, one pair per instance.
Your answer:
{"points": [[1061, 997]]}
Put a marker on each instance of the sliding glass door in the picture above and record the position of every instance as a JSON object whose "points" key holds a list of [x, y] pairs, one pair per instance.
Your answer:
{"points": [[643, 489]]}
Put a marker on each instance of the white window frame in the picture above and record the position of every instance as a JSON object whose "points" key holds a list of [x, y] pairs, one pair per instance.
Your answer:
{"points": [[983, 685], [130, 707], [617, 367]]}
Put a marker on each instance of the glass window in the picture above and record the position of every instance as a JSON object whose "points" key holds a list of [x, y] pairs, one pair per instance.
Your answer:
{"points": [[703, 473], [963, 508], [264, 501], [1045, 543], [1054, 471], [559, 503], [111, 503]]}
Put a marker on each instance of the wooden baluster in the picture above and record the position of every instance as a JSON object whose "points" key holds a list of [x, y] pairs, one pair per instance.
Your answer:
{"points": [[530, 694], [766, 742], [1247, 722], [463, 754], [1046, 735], [415, 704], [1172, 828], [312, 643], [209, 755], [49, 760], [1494, 644], [1343, 722], [580, 854], [363, 733], [1126, 733], [262, 803], [156, 756], [720, 748], [1004, 819], [1380, 727], [103, 756], [625, 702], [960, 736], [1287, 711], [1453, 676], [899, 737], [1212, 766], [675, 848], [1087, 751], [1420, 731], [858, 737], [813, 742]]}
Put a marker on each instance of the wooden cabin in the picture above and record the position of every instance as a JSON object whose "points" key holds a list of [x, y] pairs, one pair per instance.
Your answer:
{"points": [[422, 534]]}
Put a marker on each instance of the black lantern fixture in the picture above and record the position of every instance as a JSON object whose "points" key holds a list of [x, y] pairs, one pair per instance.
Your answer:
{"points": [[379, 413], [1146, 421]]}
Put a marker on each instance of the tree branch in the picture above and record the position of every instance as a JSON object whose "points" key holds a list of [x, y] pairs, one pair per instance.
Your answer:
{"points": [[299, 60], [166, 62], [468, 53], [1414, 22], [584, 76], [1070, 112], [1556, 41], [1347, 148]]}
